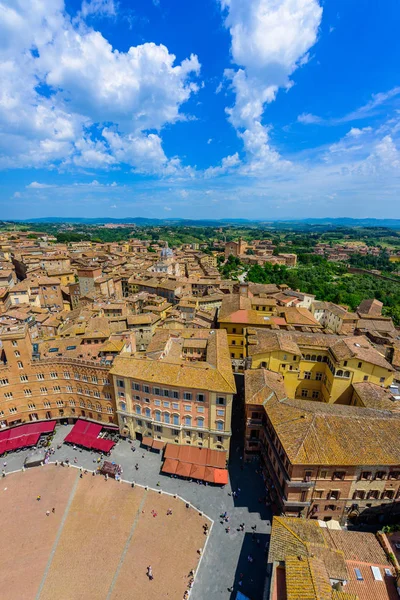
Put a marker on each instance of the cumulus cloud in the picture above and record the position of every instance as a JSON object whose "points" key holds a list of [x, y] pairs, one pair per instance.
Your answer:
{"points": [[270, 39], [63, 85], [228, 164]]}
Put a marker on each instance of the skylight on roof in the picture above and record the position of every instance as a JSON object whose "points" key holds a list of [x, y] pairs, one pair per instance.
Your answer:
{"points": [[376, 572], [358, 575]]}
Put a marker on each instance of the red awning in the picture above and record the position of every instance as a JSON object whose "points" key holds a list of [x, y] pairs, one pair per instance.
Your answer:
{"points": [[32, 439], [196, 456], [197, 471], [80, 426], [147, 441], [169, 466], [3, 446], [221, 476], [209, 474], [103, 445], [93, 430], [183, 469], [158, 445], [12, 444], [172, 451]]}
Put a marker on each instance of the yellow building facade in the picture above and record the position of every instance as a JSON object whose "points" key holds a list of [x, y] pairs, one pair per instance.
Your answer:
{"points": [[317, 366]]}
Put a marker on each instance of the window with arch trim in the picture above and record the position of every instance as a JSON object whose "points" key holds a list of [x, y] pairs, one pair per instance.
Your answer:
{"points": [[167, 417], [220, 425], [157, 416], [188, 420], [138, 409], [175, 419], [122, 406], [200, 421]]}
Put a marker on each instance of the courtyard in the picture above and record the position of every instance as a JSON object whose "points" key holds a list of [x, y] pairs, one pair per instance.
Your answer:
{"points": [[117, 571]]}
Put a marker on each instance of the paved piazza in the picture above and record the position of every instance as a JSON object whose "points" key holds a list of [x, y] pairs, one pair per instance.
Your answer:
{"points": [[102, 536]]}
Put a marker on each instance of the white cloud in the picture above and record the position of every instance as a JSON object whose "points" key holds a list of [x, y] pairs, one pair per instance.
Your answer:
{"points": [[167, 208], [38, 186], [60, 78], [99, 7], [209, 141], [17, 195], [228, 164], [308, 119], [369, 109], [113, 206], [270, 40]]}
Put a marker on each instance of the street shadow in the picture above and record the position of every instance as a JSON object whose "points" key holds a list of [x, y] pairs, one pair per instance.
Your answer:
{"points": [[250, 576]]}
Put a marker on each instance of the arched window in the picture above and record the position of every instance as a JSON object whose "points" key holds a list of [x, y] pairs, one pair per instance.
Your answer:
{"points": [[122, 406], [188, 420], [319, 358], [157, 416], [167, 417], [200, 421], [147, 412], [347, 374], [307, 357], [175, 419], [138, 409], [220, 425], [313, 357], [339, 373], [98, 407]]}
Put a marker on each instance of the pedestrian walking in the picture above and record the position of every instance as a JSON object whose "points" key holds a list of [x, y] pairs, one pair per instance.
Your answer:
{"points": [[150, 573], [38, 498], [53, 510]]}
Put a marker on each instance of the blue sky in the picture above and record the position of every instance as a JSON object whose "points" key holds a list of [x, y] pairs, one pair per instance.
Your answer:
{"points": [[262, 109]]}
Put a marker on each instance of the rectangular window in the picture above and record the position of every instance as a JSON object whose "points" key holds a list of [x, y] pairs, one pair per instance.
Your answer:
{"points": [[175, 406], [40, 376], [156, 391], [221, 401], [146, 389], [166, 393], [318, 376], [358, 575], [187, 395], [53, 375], [188, 407], [304, 393], [200, 409], [175, 394], [120, 383], [166, 404], [157, 402], [23, 378], [200, 397], [28, 392], [315, 394], [20, 365], [376, 573], [307, 374]]}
